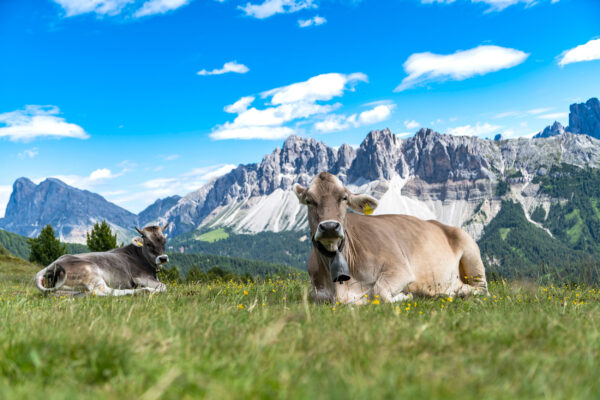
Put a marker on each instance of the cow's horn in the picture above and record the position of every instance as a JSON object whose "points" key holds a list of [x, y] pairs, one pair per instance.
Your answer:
{"points": [[139, 231], [165, 227]]}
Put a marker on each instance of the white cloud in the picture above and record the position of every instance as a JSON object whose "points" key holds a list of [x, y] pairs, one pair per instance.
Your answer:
{"points": [[38, 121], [271, 7], [182, 184], [297, 101], [321, 87], [231, 66], [314, 21], [495, 5], [152, 7], [477, 130], [335, 123], [100, 7], [240, 106], [116, 7], [584, 52], [171, 157], [554, 116], [5, 192], [429, 67], [499, 5], [28, 153], [252, 132], [95, 178], [521, 114], [412, 124], [377, 114], [536, 111]]}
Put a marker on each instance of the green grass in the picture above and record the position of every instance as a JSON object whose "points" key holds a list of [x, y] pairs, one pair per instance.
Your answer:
{"points": [[213, 236], [504, 232], [215, 341]]}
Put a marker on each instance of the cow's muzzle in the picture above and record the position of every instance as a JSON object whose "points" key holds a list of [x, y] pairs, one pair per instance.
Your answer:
{"points": [[161, 259], [329, 233]]}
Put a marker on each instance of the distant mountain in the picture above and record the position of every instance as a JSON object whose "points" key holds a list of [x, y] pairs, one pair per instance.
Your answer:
{"points": [[555, 129], [584, 118], [69, 210], [157, 209]]}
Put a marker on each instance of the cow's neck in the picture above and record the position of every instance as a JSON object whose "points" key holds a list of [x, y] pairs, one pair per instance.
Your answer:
{"points": [[138, 253]]}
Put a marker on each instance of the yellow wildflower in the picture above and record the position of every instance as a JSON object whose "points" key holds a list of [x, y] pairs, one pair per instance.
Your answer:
{"points": [[241, 306], [376, 301]]}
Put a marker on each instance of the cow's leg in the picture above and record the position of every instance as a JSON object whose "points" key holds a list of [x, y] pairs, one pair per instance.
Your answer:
{"points": [[392, 284], [471, 269], [151, 284], [99, 287]]}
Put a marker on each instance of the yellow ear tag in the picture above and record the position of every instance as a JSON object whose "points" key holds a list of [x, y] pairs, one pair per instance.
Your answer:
{"points": [[368, 210]]}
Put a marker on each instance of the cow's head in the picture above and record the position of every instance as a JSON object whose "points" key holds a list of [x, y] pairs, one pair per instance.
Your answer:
{"points": [[327, 200], [152, 242]]}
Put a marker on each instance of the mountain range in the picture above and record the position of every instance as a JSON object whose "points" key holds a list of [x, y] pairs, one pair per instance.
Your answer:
{"points": [[462, 181]]}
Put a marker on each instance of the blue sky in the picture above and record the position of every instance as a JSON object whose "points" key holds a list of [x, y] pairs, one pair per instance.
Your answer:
{"points": [[140, 99]]}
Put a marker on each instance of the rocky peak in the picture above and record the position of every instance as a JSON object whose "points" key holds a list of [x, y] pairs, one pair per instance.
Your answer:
{"points": [[436, 158], [584, 118], [66, 208], [157, 209], [551, 130], [378, 157]]}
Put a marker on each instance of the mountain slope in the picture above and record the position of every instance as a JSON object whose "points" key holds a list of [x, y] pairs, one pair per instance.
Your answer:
{"points": [[69, 210]]}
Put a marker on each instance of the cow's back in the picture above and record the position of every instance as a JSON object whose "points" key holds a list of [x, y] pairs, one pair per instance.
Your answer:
{"points": [[430, 249]]}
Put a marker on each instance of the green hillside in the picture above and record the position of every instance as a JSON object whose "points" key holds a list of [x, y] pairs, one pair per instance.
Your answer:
{"points": [[17, 245], [270, 247], [15, 269]]}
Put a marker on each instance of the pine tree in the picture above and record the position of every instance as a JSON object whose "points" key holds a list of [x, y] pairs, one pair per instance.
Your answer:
{"points": [[46, 248], [101, 238]]}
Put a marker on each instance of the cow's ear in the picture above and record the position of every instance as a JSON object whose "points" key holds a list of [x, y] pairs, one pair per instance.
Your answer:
{"points": [[137, 241], [300, 193], [362, 203]]}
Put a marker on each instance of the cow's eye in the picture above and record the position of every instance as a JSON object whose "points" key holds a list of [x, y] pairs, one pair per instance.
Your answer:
{"points": [[345, 198], [309, 202]]}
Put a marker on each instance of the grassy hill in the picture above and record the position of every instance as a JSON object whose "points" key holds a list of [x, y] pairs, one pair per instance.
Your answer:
{"points": [[14, 269], [18, 245]]}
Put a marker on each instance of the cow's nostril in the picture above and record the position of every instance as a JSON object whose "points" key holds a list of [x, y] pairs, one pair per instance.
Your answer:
{"points": [[329, 226]]}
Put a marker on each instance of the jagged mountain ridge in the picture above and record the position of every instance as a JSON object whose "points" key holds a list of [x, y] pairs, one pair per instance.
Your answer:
{"points": [[429, 175]]}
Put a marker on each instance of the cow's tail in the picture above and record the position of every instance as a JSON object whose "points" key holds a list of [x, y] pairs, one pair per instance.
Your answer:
{"points": [[51, 278]]}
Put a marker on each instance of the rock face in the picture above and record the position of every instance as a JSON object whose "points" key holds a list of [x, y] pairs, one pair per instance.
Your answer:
{"points": [[584, 118], [552, 130], [157, 209], [69, 210], [430, 175]]}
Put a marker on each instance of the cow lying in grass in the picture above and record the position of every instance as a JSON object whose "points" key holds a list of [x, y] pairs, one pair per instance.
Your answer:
{"points": [[388, 256], [124, 271]]}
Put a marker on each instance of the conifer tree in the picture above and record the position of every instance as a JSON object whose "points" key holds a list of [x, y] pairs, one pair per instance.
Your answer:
{"points": [[101, 238], [46, 247]]}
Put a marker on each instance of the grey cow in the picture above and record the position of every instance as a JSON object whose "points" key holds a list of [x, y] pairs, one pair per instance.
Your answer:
{"points": [[124, 271]]}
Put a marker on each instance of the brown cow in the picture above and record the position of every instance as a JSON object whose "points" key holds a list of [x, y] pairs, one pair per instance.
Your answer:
{"points": [[390, 256]]}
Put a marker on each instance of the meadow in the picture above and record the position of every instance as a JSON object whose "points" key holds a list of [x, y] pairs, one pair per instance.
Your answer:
{"points": [[227, 340]]}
